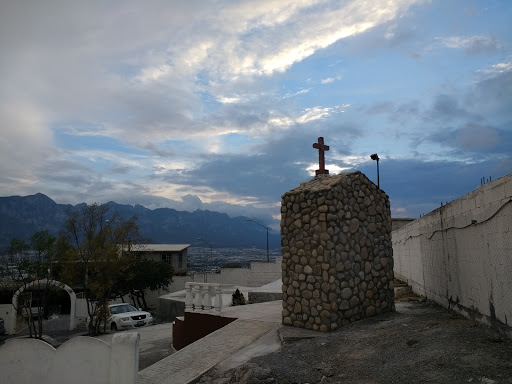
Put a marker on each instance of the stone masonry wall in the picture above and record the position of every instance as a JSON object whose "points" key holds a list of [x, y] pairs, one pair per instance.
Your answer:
{"points": [[337, 254]]}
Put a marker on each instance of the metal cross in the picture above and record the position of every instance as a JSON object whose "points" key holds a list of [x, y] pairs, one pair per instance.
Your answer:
{"points": [[321, 159]]}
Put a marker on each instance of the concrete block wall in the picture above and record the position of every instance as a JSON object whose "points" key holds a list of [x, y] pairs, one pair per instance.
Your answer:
{"points": [[235, 276], [259, 273], [262, 273], [337, 256], [460, 255], [79, 360]]}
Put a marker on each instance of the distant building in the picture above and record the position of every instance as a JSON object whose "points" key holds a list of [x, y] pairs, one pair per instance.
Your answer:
{"points": [[174, 254]]}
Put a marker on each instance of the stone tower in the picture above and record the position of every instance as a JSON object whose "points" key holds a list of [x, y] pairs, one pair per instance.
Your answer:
{"points": [[337, 255]]}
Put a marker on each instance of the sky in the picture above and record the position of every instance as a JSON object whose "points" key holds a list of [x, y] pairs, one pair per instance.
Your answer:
{"points": [[216, 104]]}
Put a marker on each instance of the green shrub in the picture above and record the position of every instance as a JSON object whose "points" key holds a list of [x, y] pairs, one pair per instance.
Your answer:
{"points": [[237, 298]]}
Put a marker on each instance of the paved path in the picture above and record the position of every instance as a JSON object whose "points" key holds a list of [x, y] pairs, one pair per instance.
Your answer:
{"points": [[192, 361]]}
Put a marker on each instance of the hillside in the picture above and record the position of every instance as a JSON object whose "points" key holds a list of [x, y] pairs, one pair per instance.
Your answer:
{"points": [[21, 216]]}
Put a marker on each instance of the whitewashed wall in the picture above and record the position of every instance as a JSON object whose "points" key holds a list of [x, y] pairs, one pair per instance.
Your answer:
{"points": [[80, 360], [259, 273], [262, 273], [460, 255], [7, 312], [81, 309]]}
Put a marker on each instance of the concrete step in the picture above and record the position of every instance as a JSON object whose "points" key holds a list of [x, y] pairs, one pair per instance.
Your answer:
{"points": [[189, 363]]}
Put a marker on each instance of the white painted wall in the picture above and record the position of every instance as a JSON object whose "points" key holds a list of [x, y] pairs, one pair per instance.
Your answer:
{"points": [[259, 273], [81, 309], [262, 273], [7, 312], [460, 255], [80, 360], [40, 284], [234, 276]]}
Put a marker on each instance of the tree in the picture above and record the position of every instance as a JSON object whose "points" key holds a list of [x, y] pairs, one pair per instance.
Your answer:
{"points": [[142, 275], [94, 261], [29, 265]]}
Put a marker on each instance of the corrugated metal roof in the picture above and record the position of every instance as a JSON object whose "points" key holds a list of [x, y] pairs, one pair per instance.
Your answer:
{"points": [[159, 247]]}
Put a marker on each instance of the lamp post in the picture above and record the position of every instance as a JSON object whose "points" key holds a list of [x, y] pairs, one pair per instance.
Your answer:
{"points": [[376, 158], [211, 257], [261, 225]]}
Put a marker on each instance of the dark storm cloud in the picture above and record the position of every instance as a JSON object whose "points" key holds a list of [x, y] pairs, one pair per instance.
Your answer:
{"points": [[120, 169], [242, 115], [278, 165], [70, 173], [445, 108], [476, 138], [420, 186], [493, 95]]}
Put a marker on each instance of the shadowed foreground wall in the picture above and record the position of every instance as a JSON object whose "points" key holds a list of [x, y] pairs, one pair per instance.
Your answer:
{"points": [[81, 359], [460, 255]]}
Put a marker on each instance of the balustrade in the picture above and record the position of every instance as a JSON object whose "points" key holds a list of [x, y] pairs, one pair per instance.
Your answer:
{"points": [[199, 297]]}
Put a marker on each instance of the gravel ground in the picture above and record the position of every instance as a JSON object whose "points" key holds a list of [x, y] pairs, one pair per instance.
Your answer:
{"points": [[420, 343]]}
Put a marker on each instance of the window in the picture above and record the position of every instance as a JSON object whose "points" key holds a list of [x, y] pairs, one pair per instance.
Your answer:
{"points": [[167, 257], [180, 261]]}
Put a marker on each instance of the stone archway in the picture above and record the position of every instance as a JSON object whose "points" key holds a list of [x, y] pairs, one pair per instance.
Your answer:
{"points": [[43, 282]]}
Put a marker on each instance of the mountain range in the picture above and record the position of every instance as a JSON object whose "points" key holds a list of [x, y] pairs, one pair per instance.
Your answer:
{"points": [[21, 216]]}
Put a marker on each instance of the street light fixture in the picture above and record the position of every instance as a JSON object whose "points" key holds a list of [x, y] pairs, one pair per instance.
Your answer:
{"points": [[261, 225], [376, 158], [211, 257]]}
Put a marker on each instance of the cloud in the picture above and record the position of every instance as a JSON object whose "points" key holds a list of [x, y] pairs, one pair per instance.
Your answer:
{"points": [[25, 142], [419, 185], [446, 108], [474, 137], [492, 92], [215, 105], [471, 45], [497, 69], [327, 80], [473, 140]]}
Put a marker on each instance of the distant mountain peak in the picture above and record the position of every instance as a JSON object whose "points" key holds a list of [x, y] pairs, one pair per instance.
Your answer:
{"points": [[21, 216]]}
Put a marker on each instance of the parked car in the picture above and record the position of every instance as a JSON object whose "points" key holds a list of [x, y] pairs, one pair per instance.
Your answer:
{"points": [[2, 326], [123, 316]]}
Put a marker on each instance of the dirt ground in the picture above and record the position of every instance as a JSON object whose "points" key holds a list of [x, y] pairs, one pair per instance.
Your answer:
{"points": [[419, 343]]}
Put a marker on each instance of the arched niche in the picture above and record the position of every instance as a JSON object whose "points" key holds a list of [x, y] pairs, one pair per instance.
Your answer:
{"points": [[43, 283]]}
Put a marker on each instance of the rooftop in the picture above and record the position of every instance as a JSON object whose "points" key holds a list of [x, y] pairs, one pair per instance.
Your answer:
{"points": [[159, 247]]}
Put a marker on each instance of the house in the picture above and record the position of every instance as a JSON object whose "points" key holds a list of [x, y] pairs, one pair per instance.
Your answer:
{"points": [[174, 254]]}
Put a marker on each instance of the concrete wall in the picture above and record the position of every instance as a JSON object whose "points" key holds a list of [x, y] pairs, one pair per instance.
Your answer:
{"points": [[81, 309], [397, 223], [170, 309], [262, 273], [259, 273], [8, 313], [80, 360], [235, 276], [460, 255]]}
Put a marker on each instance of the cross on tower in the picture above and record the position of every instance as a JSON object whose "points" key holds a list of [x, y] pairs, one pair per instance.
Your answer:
{"points": [[321, 160]]}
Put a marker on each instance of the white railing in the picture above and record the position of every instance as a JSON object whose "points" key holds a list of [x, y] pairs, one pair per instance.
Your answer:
{"points": [[203, 297]]}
